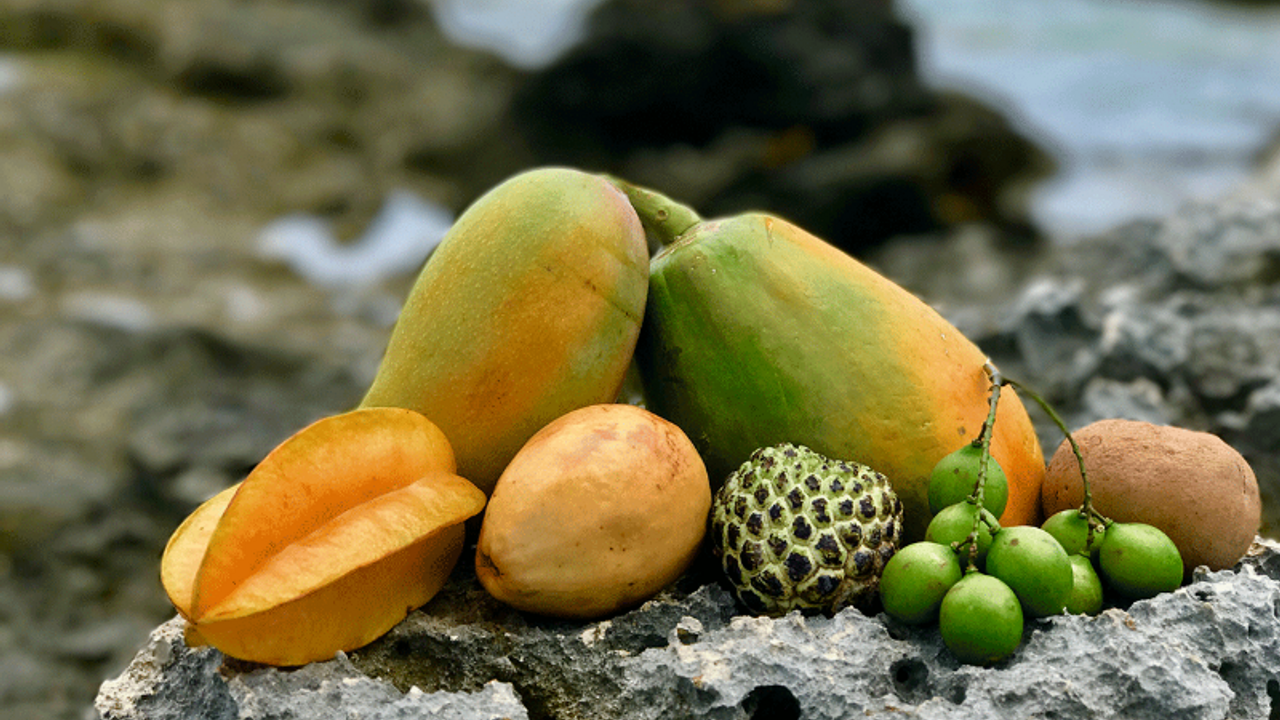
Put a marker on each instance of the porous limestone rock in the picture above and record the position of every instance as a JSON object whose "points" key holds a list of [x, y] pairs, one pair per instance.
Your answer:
{"points": [[1206, 651]]}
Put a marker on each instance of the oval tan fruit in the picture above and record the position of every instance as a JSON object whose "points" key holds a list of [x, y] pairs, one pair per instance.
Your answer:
{"points": [[1190, 484], [599, 511]]}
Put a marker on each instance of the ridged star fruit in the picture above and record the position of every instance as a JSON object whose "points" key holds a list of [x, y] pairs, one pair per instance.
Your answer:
{"points": [[329, 542], [757, 332], [529, 308]]}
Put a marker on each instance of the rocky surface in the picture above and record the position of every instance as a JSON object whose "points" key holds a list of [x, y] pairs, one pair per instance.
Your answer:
{"points": [[1204, 651], [156, 345]]}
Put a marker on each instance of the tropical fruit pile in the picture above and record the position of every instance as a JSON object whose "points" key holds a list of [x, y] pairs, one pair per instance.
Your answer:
{"points": [[797, 404]]}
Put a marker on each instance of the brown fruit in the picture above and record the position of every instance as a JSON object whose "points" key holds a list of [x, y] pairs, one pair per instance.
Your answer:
{"points": [[1190, 484], [599, 511]]}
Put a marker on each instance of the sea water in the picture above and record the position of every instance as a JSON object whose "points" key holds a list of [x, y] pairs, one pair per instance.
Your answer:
{"points": [[1145, 103]]}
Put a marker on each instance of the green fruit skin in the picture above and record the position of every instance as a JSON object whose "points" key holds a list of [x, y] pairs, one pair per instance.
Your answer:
{"points": [[1031, 562], [915, 580], [955, 476], [953, 525], [756, 332], [980, 620], [1085, 597], [1071, 530], [1139, 561]]}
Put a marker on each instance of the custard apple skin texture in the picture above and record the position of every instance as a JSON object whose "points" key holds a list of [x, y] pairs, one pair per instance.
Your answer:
{"points": [[795, 530]]}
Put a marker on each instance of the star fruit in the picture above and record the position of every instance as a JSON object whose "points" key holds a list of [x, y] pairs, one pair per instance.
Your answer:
{"points": [[330, 541]]}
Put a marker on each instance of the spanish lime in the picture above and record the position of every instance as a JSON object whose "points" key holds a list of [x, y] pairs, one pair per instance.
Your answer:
{"points": [[1034, 565], [952, 526], [1085, 597], [980, 620], [915, 580], [1071, 530], [1138, 561], [955, 478]]}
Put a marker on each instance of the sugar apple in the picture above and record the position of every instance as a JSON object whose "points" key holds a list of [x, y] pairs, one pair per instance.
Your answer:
{"points": [[796, 530]]}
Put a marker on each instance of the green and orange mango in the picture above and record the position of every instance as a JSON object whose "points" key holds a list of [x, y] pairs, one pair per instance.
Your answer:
{"points": [[529, 308], [757, 332]]}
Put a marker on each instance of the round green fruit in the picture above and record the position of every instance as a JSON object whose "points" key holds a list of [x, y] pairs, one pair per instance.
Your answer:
{"points": [[1139, 561], [1085, 597], [980, 620], [955, 477], [1071, 530], [916, 579], [1031, 562], [953, 524]]}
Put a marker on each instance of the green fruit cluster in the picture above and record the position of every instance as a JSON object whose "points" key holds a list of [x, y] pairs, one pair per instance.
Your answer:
{"points": [[980, 581]]}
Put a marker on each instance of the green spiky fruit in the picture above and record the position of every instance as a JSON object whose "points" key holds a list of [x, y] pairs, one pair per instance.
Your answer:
{"points": [[796, 530]]}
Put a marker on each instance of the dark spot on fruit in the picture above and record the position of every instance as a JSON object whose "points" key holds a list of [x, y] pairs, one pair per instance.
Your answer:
{"points": [[796, 498], [813, 483], [887, 552], [852, 535], [827, 584], [761, 494], [789, 451], [873, 537], [752, 557], [740, 507], [747, 478], [830, 549], [836, 486], [819, 506], [846, 508], [778, 546], [868, 508], [775, 511], [891, 531], [863, 562], [801, 528], [768, 583], [732, 536], [755, 524], [798, 567], [732, 570], [1013, 542], [855, 488]]}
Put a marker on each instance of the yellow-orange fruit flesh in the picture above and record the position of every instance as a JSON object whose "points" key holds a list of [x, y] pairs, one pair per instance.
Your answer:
{"points": [[339, 532], [1190, 484], [758, 333], [529, 308], [323, 470], [597, 512]]}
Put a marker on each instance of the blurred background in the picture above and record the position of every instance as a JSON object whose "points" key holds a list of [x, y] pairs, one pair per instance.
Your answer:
{"points": [[210, 211]]}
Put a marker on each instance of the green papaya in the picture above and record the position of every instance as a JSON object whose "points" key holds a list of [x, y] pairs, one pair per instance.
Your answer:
{"points": [[529, 308], [756, 333]]}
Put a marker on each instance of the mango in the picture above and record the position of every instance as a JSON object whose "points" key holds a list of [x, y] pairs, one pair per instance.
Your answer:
{"points": [[529, 308], [756, 333], [599, 511], [329, 542]]}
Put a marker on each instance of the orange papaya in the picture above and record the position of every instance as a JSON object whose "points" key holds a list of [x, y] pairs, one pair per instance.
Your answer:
{"points": [[529, 308], [757, 332]]}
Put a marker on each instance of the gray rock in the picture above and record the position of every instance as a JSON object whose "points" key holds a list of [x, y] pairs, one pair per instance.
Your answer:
{"points": [[1206, 651]]}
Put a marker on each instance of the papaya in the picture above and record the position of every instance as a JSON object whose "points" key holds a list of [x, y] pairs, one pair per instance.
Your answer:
{"points": [[756, 332], [530, 307]]}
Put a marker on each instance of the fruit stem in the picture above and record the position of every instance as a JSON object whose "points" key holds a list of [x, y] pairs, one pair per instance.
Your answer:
{"points": [[1096, 519], [984, 441], [663, 218]]}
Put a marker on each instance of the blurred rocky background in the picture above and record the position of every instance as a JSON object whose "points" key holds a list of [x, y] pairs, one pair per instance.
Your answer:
{"points": [[211, 211]]}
